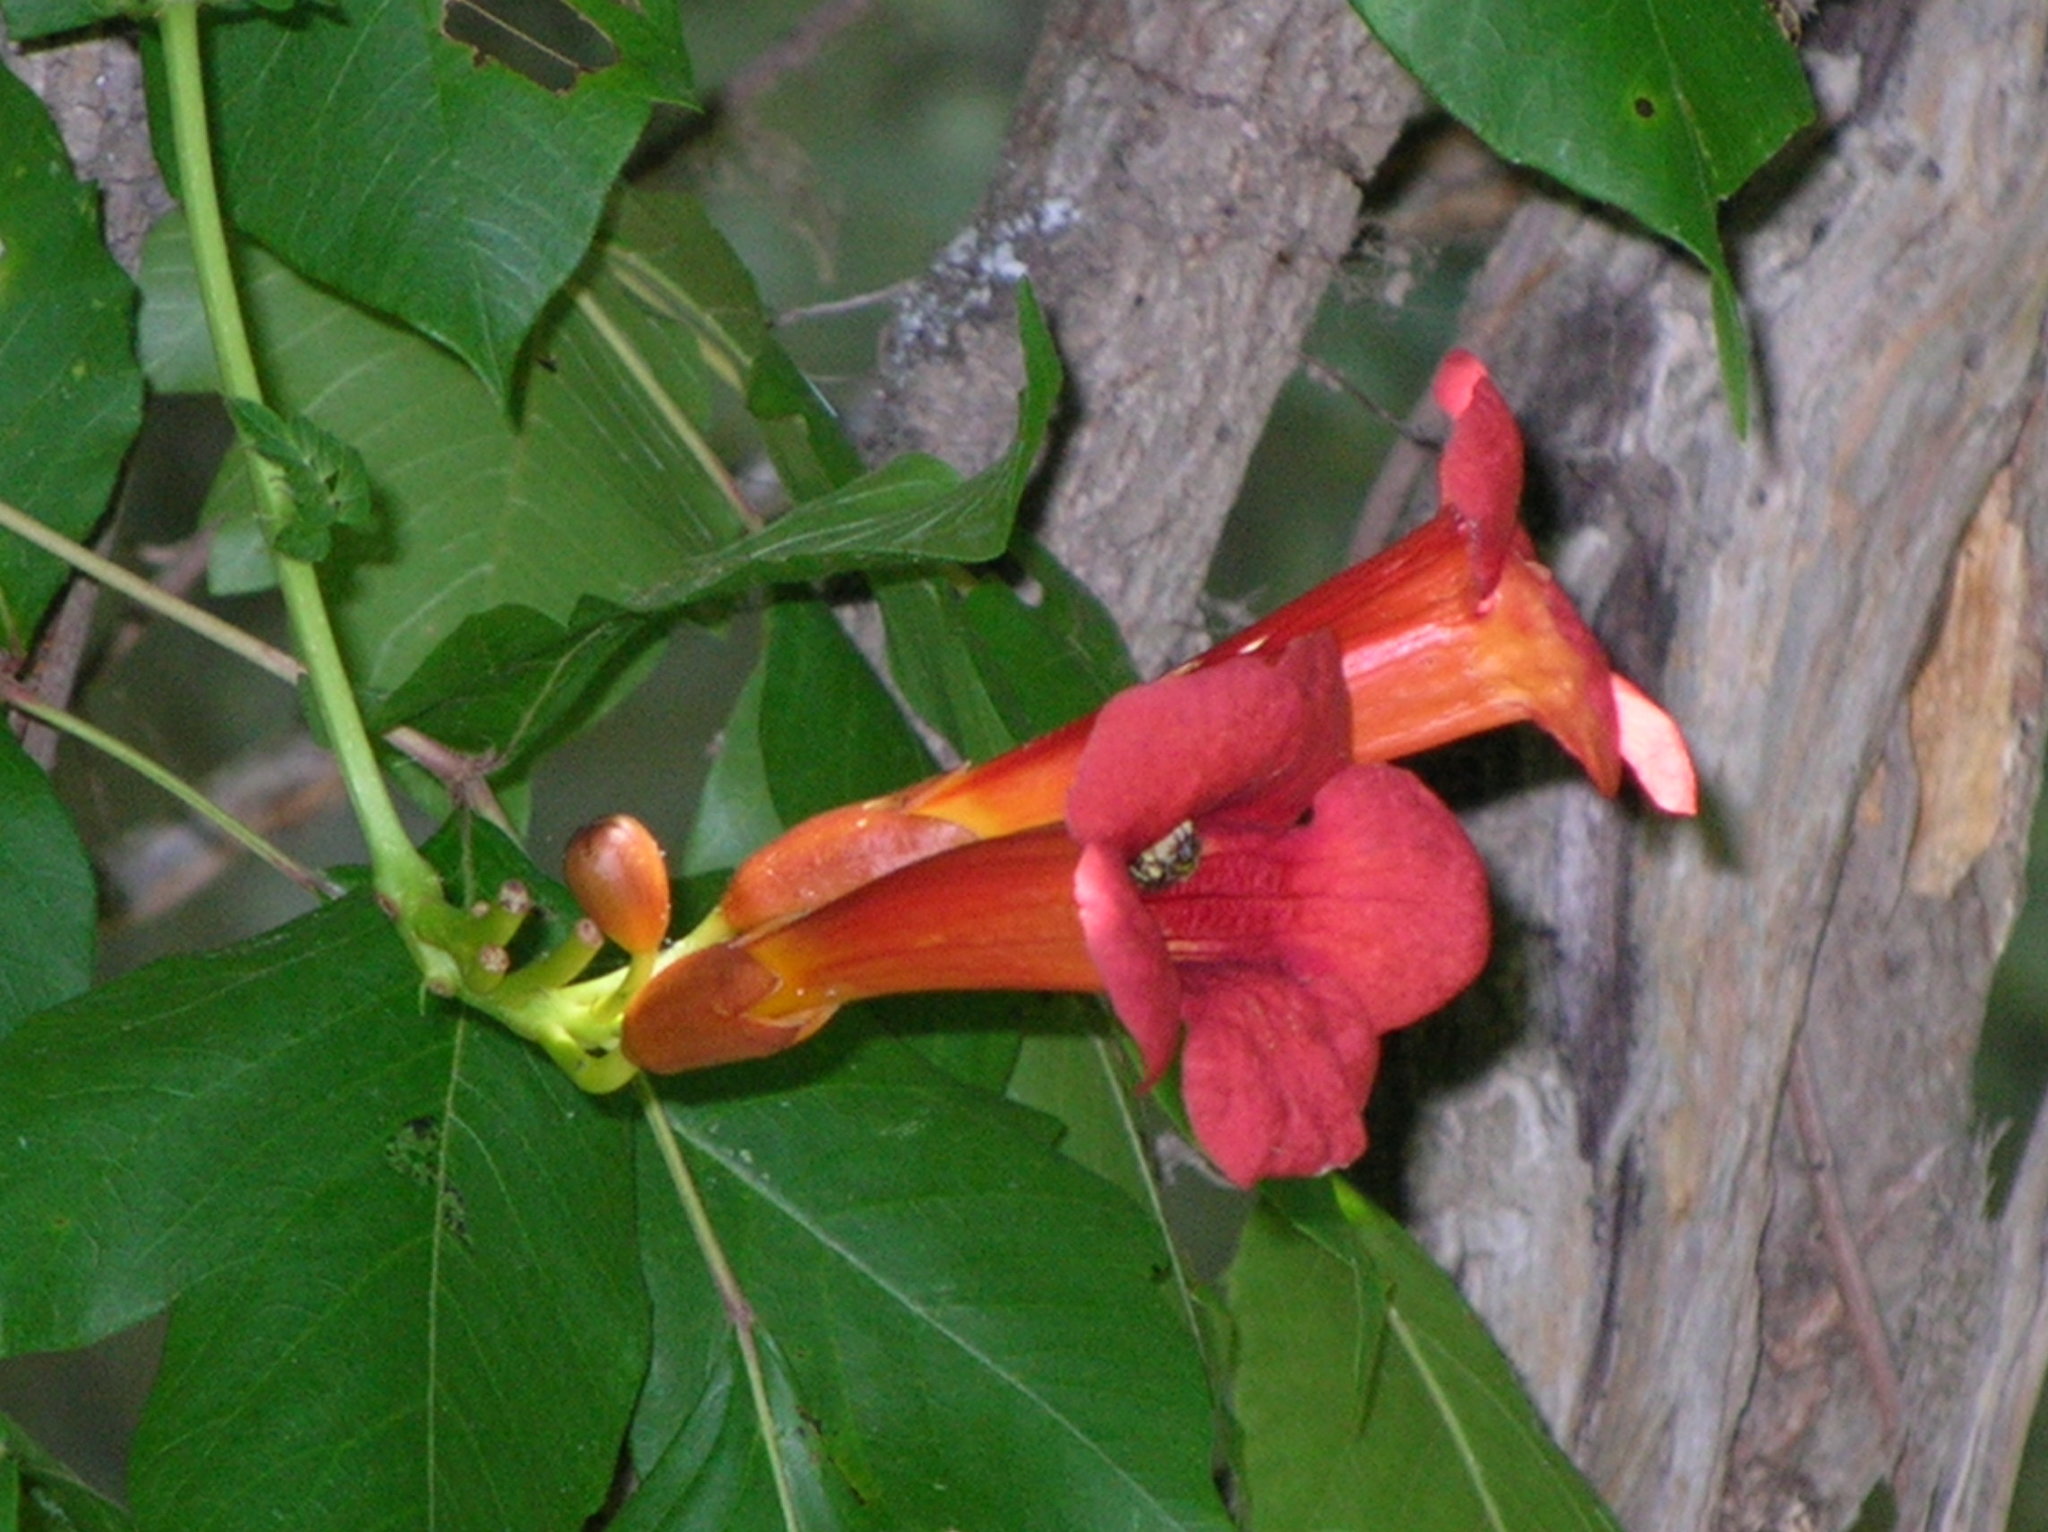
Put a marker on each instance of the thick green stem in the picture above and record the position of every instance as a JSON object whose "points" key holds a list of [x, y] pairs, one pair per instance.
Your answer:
{"points": [[403, 877]]}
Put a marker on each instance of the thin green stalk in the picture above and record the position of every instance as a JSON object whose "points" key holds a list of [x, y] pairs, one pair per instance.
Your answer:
{"points": [[145, 594], [23, 701], [403, 876], [455, 771], [723, 1278]]}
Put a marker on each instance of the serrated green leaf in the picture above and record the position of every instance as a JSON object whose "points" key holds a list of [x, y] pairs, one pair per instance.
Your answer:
{"points": [[735, 812], [1367, 1392], [39, 1494], [798, 426], [1073, 1074], [809, 683], [280, 1138], [70, 392], [1051, 655], [712, 1473], [929, 658], [421, 175], [979, 1328], [323, 476], [1663, 108], [47, 903], [591, 495], [694, 1439], [990, 668], [913, 510]]}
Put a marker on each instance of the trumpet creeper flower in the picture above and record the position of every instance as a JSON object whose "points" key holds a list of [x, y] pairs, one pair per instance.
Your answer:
{"points": [[1248, 898], [1454, 630]]}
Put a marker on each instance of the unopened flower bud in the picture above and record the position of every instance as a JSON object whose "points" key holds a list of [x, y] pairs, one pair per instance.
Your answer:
{"points": [[615, 869]]}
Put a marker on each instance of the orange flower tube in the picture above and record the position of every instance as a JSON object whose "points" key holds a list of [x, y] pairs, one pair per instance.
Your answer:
{"points": [[1250, 901], [1454, 630]]}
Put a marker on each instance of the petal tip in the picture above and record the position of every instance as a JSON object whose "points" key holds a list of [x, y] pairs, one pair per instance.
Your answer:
{"points": [[1655, 751], [1457, 376]]}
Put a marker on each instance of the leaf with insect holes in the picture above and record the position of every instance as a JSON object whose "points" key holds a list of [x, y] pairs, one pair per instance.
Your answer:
{"points": [[324, 476], [285, 1145], [447, 163], [592, 493], [1663, 108]]}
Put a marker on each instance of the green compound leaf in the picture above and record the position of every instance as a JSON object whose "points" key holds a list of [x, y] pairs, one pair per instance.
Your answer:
{"points": [[990, 663], [47, 905], [396, 1242], [421, 172], [927, 623], [591, 493], [1367, 1392], [983, 1334], [815, 680], [809, 681], [667, 256], [696, 1438], [1663, 108], [989, 668], [323, 475], [70, 392]]}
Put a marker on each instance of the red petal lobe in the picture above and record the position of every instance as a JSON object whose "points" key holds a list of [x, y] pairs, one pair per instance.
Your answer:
{"points": [[1257, 733]]}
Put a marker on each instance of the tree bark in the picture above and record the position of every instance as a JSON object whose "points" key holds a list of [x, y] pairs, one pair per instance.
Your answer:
{"points": [[1849, 613], [93, 88], [1706, 1289], [1181, 178]]}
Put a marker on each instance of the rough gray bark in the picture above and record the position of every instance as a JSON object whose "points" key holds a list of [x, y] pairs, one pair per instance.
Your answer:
{"points": [[93, 89], [1181, 179], [1849, 613]]}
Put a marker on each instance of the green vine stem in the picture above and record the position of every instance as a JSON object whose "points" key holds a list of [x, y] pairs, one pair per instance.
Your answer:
{"points": [[403, 877], [22, 700], [737, 1310], [459, 952]]}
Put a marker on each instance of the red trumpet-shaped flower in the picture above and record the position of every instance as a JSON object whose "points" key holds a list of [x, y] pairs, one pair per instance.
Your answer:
{"points": [[1241, 890], [1454, 630], [1457, 628]]}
